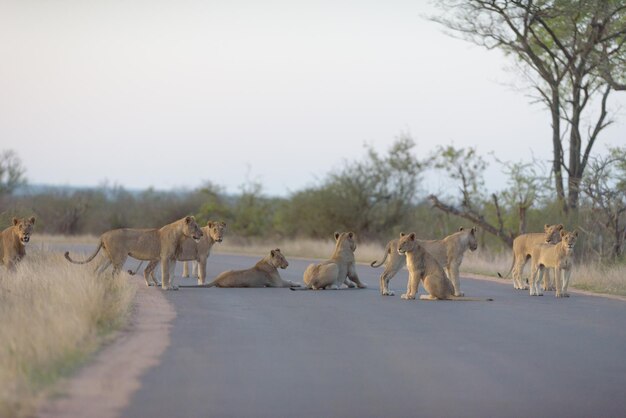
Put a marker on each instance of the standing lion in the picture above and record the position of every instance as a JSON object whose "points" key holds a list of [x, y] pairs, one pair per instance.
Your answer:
{"points": [[162, 244]]}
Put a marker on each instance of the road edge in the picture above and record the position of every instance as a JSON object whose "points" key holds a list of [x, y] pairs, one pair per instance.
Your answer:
{"points": [[117, 368], [570, 290]]}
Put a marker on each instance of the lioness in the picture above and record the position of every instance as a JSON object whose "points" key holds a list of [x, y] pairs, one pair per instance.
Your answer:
{"points": [[339, 269], [13, 241], [423, 266], [560, 257], [522, 248], [198, 251], [448, 252], [146, 244], [263, 274]]}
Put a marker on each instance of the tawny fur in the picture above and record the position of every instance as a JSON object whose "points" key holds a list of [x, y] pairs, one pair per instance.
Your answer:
{"points": [[162, 245], [424, 267], [448, 252], [340, 268], [197, 252], [560, 257], [13, 241], [263, 274], [522, 250]]}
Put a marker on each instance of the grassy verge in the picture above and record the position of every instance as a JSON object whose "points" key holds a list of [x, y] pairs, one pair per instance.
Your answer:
{"points": [[54, 315]]}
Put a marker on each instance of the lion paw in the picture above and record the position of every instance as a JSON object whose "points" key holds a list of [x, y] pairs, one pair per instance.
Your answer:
{"points": [[388, 293], [362, 286], [459, 294], [351, 285], [407, 297]]}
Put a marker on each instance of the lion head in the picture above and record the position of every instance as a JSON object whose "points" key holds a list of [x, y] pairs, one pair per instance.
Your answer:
{"points": [[24, 228], [471, 238], [569, 238], [278, 260], [216, 230], [191, 228], [553, 233], [406, 243], [346, 240]]}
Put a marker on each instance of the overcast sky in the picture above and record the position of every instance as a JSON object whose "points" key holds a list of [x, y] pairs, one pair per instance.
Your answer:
{"points": [[173, 93]]}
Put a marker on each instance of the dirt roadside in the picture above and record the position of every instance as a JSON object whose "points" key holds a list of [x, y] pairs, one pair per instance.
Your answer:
{"points": [[104, 387]]}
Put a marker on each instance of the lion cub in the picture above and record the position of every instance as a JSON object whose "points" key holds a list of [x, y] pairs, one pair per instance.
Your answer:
{"points": [[13, 240], [263, 274], [560, 257]]}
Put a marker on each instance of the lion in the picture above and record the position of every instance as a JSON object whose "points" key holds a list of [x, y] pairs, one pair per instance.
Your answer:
{"points": [[13, 241], [263, 274], [422, 265], [162, 244], [558, 256], [197, 251], [448, 252], [522, 248], [339, 269]]}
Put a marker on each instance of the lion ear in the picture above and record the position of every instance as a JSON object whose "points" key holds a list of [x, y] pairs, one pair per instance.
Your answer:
{"points": [[460, 228], [209, 224], [351, 235], [16, 221], [412, 236], [560, 227], [272, 253], [187, 219], [563, 233], [474, 229], [545, 227], [32, 220], [576, 234], [402, 234], [337, 235]]}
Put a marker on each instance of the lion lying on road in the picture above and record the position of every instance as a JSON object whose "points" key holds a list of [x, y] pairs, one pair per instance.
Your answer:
{"points": [[423, 266], [339, 269], [448, 252], [146, 244], [560, 257], [522, 248], [13, 240], [197, 251], [263, 274]]}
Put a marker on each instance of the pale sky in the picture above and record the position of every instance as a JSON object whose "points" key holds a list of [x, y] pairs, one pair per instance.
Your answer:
{"points": [[173, 93]]}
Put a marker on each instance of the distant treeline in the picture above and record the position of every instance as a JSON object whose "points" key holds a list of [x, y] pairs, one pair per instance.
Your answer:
{"points": [[377, 196]]}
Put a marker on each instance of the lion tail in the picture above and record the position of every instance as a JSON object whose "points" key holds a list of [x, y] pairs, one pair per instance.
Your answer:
{"points": [[387, 250], [67, 256], [466, 299], [510, 269], [132, 273]]}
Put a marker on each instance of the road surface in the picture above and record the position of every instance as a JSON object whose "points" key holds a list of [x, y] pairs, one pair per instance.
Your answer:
{"points": [[354, 353]]}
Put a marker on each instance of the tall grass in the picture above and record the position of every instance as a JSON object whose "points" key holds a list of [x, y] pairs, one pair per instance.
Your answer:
{"points": [[53, 315]]}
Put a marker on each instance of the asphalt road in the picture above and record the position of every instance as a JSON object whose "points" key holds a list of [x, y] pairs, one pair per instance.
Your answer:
{"points": [[354, 353]]}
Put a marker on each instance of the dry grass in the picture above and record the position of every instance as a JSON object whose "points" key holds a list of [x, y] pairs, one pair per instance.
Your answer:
{"points": [[54, 315], [303, 247]]}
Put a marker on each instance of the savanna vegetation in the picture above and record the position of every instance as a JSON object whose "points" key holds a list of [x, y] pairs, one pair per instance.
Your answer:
{"points": [[570, 57]]}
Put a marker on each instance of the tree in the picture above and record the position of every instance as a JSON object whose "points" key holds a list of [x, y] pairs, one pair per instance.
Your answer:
{"points": [[467, 167], [570, 51], [371, 196], [11, 172], [605, 187]]}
